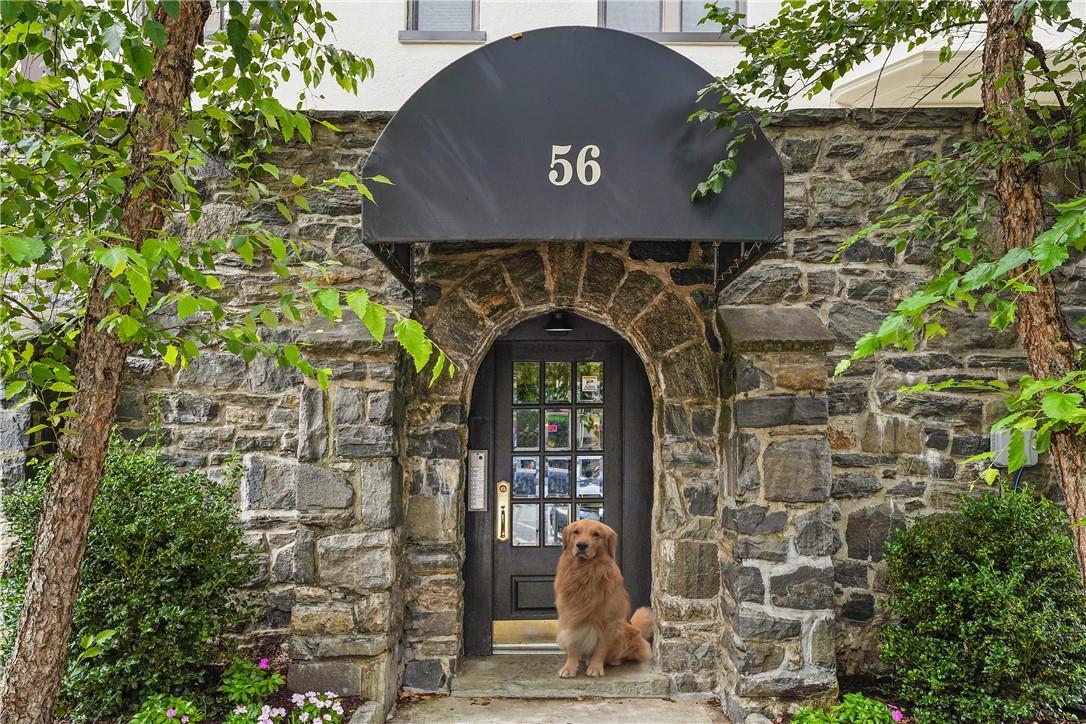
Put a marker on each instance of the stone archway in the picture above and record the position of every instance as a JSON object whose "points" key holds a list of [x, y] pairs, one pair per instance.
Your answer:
{"points": [[470, 295]]}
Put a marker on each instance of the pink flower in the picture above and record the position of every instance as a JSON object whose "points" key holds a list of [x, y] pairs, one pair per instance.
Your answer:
{"points": [[297, 699], [896, 714], [171, 713], [185, 719], [304, 716], [263, 663]]}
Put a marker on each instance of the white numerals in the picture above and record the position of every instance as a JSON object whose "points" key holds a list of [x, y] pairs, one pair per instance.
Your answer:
{"points": [[588, 169]]}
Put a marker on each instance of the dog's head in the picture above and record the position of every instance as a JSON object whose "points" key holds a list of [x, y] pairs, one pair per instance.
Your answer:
{"points": [[588, 539]]}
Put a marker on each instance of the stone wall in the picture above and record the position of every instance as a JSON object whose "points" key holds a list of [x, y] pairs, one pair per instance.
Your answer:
{"points": [[775, 486]]}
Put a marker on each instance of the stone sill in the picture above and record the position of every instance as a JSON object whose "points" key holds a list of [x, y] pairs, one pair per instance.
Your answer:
{"points": [[442, 36], [770, 329]]}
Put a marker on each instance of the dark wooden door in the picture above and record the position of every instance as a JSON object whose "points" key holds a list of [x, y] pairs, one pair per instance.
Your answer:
{"points": [[566, 423]]}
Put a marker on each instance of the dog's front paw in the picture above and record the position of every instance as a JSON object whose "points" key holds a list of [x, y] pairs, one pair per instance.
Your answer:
{"points": [[594, 669], [569, 671]]}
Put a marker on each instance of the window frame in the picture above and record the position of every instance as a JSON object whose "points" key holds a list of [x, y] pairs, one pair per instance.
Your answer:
{"points": [[411, 33], [671, 18]]}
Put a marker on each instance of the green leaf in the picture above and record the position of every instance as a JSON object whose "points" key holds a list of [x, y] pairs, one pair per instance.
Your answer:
{"points": [[327, 303], [14, 388], [412, 337], [172, 8], [186, 307], [139, 57], [22, 248], [156, 31], [139, 284], [114, 258], [1061, 405]]}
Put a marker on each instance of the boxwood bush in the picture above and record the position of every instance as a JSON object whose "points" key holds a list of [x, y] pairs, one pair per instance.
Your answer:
{"points": [[164, 563], [992, 613]]}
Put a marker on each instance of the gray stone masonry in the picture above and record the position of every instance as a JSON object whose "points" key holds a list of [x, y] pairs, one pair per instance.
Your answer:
{"points": [[778, 518]]}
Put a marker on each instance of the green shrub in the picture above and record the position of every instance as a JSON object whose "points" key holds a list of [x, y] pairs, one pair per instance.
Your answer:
{"points": [[163, 709], [853, 709], [992, 615], [164, 561]]}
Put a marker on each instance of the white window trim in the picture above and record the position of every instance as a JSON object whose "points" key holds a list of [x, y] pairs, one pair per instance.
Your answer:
{"points": [[411, 33], [671, 21]]}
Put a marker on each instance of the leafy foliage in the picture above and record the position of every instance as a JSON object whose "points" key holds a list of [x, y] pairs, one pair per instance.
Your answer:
{"points": [[943, 202], [246, 684], [992, 615], [163, 709], [72, 78], [164, 563], [854, 709]]}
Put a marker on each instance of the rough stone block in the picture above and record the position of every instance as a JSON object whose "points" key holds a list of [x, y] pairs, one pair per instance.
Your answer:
{"points": [[859, 607], [748, 329], [867, 531], [816, 534], [808, 588], [331, 647], [349, 406], [822, 648], [424, 676], [382, 493], [355, 561], [752, 625], [324, 618], [781, 410], [797, 471], [312, 425], [342, 677], [322, 488], [883, 434], [855, 485], [269, 483], [364, 441], [693, 571]]}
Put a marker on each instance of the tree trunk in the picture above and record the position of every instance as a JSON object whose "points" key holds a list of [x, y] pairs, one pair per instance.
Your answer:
{"points": [[32, 678], [1041, 326]]}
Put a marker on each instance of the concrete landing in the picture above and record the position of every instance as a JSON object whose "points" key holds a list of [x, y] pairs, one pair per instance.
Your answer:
{"points": [[453, 710], [535, 676]]}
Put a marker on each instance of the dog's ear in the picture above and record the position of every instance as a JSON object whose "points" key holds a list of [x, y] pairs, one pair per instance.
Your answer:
{"points": [[612, 541], [566, 537]]}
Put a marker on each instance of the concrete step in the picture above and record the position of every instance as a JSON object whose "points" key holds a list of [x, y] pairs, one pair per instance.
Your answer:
{"points": [[535, 676], [451, 710]]}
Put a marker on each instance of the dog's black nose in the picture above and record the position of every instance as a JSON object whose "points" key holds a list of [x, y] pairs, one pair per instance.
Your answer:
{"points": [[582, 546]]}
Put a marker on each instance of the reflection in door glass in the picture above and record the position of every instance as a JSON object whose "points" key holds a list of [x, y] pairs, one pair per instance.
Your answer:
{"points": [[558, 429], [556, 476], [589, 476], [556, 517], [590, 429], [525, 383], [590, 382], [525, 524], [590, 511], [556, 382], [525, 476], [525, 429]]}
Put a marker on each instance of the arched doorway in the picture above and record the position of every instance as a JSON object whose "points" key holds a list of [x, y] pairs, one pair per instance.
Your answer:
{"points": [[565, 420]]}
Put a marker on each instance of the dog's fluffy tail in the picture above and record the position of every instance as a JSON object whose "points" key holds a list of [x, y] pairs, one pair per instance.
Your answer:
{"points": [[643, 620]]}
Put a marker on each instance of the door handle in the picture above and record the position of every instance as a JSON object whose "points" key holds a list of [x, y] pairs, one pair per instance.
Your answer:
{"points": [[503, 510]]}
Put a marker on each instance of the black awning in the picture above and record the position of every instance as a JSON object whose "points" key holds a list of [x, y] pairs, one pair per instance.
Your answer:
{"points": [[568, 133]]}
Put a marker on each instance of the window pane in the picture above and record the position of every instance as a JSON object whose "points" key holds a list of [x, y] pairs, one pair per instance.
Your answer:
{"points": [[556, 480], [555, 519], [590, 429], [694, 10], [635, 16], [526, 383], [590, 382], [525, 476], [525, 524], [557, 382], [590, 511], [558, 429], [444, 15], [589, 476], [525, 429]]}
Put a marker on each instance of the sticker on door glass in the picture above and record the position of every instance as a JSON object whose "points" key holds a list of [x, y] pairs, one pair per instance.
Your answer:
{"points": [[525, 429], [590, 382], [556, 476], [525, 524], [525, 383], [555, 519], [590, 511], [557, 382], [558, 429], [590, 429], [589, 476], [525, 476]]}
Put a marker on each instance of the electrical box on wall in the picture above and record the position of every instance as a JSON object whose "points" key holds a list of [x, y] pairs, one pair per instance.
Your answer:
{"points": [[1001, 446]]}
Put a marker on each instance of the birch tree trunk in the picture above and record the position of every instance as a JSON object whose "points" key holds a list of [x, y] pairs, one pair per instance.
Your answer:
{"points": [[29, 688], [1041, 327]]}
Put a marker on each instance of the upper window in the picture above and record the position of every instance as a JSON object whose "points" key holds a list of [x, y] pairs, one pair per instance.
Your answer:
{"points": [[666, 20], [442, 20]]}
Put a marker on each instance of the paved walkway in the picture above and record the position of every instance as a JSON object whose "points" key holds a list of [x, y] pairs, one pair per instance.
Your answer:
{"points": [[454, 710]]}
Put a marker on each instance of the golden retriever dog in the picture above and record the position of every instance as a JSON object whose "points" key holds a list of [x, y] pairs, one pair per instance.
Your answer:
{"points": [[593, 606]]}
